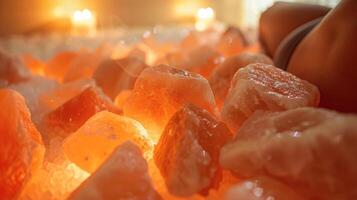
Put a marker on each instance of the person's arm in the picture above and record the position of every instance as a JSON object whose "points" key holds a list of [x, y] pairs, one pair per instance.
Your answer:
{"points": [[282, 18], [327, 57]]}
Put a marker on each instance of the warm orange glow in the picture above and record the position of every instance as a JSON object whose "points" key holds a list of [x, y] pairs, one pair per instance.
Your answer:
{"points": [[84, 21], [204, 18]]}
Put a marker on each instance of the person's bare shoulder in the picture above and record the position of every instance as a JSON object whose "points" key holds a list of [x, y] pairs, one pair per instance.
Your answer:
{"points": [[327, 57], [282, 18]]}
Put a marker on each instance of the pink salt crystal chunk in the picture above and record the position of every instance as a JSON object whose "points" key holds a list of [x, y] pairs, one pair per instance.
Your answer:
{"points": [[104, 131], [57, 66], [221, 77], [124, 175], [261, 188], [54, 181], [21, 147], [160, 91], [32, 90], [64, 92], [201, 60], [84, 65], [12, 69], [113, 76], [265, 87], [232, 42], [312, 150], [188, 151], [75, 112]]}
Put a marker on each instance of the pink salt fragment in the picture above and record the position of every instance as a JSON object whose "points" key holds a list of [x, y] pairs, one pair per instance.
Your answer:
{"points": [[113, 76], [309, 149], [84, 65], [232, 42], [75, 112], [104, 131], [262, 188], [265, 87], [64, 92], [12, 69], [57, 67], [201, 60], [32, 90], [124, 175], [160, 91], [221, 77], [21, 147], [121, 98], [188, 150]]}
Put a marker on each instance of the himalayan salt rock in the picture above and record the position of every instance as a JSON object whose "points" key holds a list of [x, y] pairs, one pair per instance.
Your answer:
{"points": [[312, 150], [221, 77], [104, 131], [12, 69], [84, 65], [21, 149], [121, 98], [35, 65], [113, 76], [64, 92], [232, 42], [202, 60], [265, 87], [54, 181], [32, 90], [160, 91], [188, 150], [72, 114], [124, 175], [261, 188], [58, 65], [195, 39], [137, 54]]}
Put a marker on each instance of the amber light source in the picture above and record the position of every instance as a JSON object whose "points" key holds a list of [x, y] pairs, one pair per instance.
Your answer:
{"points": [[205, 17], [83, 22]]}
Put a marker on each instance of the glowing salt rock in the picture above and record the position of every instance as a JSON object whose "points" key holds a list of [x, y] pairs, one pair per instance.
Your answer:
{"points": [[35, 65], [104, 131], [54, 181], [113, 76], [21, 149], [12, 69], [72, 114], [84, 65], [188, 150], [195, 39], [262, 188], [121, 98], [137, 53], [32, 90], [64, 92], [232, 42], [265, 87], [58, 65], [200, 60], [221, 77], [190, 42], [124, 175], [310, 149], [160, 91]]}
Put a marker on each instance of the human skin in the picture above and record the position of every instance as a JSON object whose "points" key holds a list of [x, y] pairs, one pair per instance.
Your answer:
{"points": [[282, 18], [327, 57]]}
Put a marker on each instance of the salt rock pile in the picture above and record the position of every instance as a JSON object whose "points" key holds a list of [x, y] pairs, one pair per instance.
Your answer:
{"points": [[208, 117]]}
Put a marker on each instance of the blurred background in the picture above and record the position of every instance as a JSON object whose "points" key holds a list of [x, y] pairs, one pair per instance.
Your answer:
{"points": [[32, 16]]}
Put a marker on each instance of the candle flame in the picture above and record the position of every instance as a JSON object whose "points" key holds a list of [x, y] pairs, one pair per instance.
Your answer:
{"points": [[84, 21], [204, 18], [82, 15]]}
